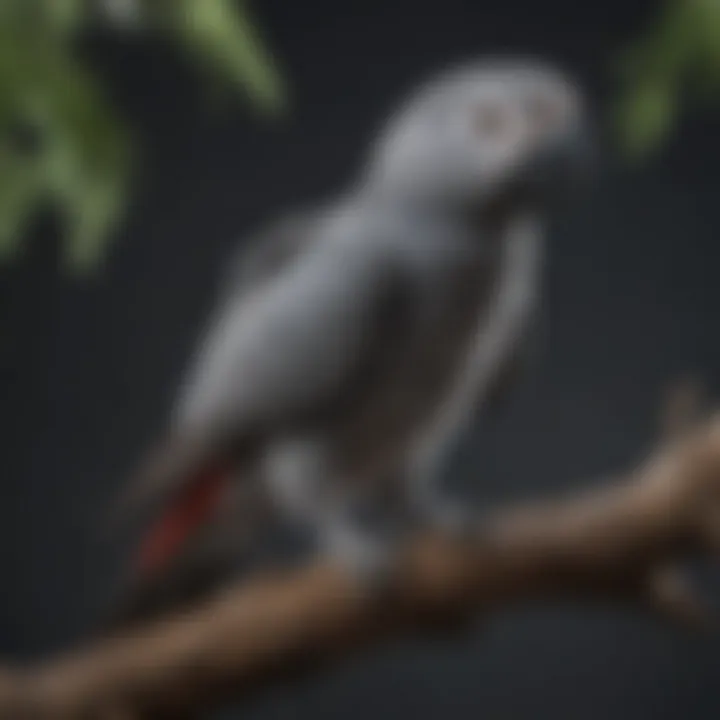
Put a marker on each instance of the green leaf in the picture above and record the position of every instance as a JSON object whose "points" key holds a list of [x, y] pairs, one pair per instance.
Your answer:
{"points": [[677, 58], [87, 165], [707, 24], [77, 158], [91, 217], [20, 192], [645, 117], [223, 38], [65, 16]]}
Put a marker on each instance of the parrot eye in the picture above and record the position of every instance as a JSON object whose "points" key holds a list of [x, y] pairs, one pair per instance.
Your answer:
{"points": [[491, 121], [543, 111]]}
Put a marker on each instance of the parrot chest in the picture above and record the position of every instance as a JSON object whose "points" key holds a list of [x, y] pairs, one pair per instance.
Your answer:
{"points": [[467, 324], [489, 340]]}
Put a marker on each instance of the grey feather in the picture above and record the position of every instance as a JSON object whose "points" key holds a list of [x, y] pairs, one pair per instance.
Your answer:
{"points": [[258, 260], [267, 252], [296, 341], [352, 344], [290, 343]]}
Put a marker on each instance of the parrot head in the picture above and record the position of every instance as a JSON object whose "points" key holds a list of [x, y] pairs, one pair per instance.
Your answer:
{"points": [[485, 131]]}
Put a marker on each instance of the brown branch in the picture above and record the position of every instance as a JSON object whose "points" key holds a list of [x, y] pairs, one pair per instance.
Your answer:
{"points": [[620, 542]]}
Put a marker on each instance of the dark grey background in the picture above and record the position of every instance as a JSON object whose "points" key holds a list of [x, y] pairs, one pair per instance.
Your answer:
{"points": [[88, 367]]}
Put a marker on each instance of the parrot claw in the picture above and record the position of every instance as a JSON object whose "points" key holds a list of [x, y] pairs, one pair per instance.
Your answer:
{"points": [[369, 559], [454, 519]]}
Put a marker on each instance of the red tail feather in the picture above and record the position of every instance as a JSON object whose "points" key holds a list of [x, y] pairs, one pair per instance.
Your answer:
{"points": [[186, 514]]}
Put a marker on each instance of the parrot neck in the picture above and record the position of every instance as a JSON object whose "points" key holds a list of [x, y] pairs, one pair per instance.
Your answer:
{"points": [[488, 215]]}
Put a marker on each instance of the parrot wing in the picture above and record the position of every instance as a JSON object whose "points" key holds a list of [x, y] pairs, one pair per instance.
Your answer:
{"points": [[287, 345], [268, 252], [260, 259]]}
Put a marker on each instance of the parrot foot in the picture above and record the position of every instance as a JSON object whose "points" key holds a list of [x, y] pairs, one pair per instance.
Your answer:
{"points": [[370, 558], [432, 509], [455, 520]]}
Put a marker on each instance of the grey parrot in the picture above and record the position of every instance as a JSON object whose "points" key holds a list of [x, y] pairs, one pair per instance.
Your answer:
{"points": [[353, 342]]}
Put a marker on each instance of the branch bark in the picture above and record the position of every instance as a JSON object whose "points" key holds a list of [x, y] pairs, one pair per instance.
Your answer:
{"points": [[622, 542]]}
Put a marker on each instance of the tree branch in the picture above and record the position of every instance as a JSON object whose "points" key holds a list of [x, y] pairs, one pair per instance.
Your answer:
{"points": [[621, 542]]}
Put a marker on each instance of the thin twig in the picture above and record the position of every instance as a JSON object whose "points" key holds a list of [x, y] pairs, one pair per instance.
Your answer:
{"points": [[621, 542]]}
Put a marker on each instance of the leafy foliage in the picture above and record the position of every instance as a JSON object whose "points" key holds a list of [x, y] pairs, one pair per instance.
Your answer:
{"points": [[220, 34], [678, 57], [61, 144]]}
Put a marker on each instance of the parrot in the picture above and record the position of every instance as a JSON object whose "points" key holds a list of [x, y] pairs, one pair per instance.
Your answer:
{"points": [[353, 342]]}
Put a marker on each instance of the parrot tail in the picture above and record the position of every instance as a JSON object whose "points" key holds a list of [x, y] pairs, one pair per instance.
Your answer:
{"points": [[181, 556], [191, 548], [191, 510]]}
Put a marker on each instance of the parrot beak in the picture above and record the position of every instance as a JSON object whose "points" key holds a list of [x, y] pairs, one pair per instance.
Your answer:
{"points": [[557, 172], [562, 166]]}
